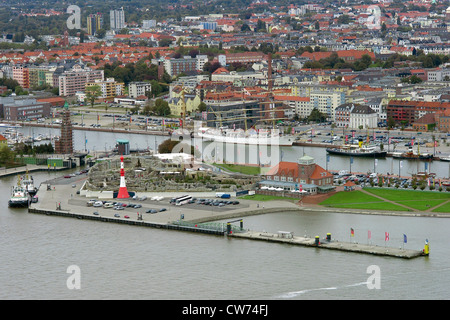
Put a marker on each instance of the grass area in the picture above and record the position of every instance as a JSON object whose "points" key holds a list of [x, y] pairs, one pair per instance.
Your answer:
{"points": [[344, 198], [261, 197], [421, 205], [444, 208], [405, 195], [387, 206], [250, 170], [418, 200]]}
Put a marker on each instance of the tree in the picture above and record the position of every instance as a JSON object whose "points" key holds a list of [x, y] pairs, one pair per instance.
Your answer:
{"points": [[161, 108], [92, 93]]}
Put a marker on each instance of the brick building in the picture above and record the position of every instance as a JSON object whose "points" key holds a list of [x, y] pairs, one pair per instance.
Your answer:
{"points": [[411, 111], [303, 175]]}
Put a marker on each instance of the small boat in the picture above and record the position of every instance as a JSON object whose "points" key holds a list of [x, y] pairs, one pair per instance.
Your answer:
{"points": [[357, 151], [19, 196], [447, 159], [28, 184]]}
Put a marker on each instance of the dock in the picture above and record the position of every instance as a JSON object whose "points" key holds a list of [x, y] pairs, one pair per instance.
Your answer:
{"points": [[288, 238], [62, 201]]}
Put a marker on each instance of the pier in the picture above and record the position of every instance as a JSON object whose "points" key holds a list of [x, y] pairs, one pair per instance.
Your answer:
{"points": [[288, 238], [62, 201]]}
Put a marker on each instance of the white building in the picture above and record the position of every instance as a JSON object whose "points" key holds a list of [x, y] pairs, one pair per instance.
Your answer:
{"points": [[355, 116], [136, 89], [117, 19]]}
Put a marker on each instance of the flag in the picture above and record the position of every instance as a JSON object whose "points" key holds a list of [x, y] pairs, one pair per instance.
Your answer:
{"points": [[401, 164], [386, 236], [405, 239], [352, 232]]}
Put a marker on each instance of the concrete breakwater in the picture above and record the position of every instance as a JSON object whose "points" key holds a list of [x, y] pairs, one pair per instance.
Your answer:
{"points": [[280, 237]]}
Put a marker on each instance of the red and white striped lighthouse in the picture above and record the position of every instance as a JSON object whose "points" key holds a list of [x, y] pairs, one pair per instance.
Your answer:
{"points": [[123, 192]]}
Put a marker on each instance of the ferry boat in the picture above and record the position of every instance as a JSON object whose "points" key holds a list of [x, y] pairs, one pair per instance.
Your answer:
{"points": [[249, 137], [358, 151], [19, 196]]}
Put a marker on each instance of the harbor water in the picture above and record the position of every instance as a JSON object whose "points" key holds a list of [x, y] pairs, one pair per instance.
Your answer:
{"points": [[104, 141], [128, 262], [118, 261]]}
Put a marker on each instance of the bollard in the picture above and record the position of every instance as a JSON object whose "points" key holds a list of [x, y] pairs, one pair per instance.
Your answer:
{"points": [[328, 237], [317, 242]]}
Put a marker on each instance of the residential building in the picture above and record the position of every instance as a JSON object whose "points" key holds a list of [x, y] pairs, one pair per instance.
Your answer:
{"points": [[75, 80], [136, 89], [362, 116], [303, 175], [110, 88], [410, 111], [301, 105], [22, 76], [94, 23], [326, 102], [117, 19], [190, 104], [174, 67], [148, 24], [438, 74]]}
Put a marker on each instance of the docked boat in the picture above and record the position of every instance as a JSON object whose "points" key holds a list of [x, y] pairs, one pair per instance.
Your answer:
{"points": [[28, 184], [357, 151], [19, 197], [447, 159], [249, 137], [411, 155]]}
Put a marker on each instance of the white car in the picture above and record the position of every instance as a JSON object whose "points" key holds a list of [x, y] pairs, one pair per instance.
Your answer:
{"points": [[98, 204], [108, 205]]}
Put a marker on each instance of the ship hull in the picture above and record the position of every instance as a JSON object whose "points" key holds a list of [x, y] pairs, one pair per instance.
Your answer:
{"points": [[18, 203], [375, 154]]}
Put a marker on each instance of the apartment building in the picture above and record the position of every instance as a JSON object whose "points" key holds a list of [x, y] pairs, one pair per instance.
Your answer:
{"points": [[186, 64], [75, 80], [109, 87], [117, 19], [94, 23], [410, 111], [22, 76], [326, 102], [136, 89]]}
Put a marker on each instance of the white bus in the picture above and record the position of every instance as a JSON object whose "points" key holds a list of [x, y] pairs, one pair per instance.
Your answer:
{"points": [[174, 200], [183, 200]]}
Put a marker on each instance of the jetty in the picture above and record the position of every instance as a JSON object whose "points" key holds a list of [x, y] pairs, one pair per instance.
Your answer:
{"points": [[62, 200], [327, 243]]}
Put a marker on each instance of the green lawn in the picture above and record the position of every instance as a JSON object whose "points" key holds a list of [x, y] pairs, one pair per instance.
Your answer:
{"points": [[343, 198], [261, 197], [251, 170], [405, 195], [373, 206], [421, 205], [419, 200], [444, 208]]}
